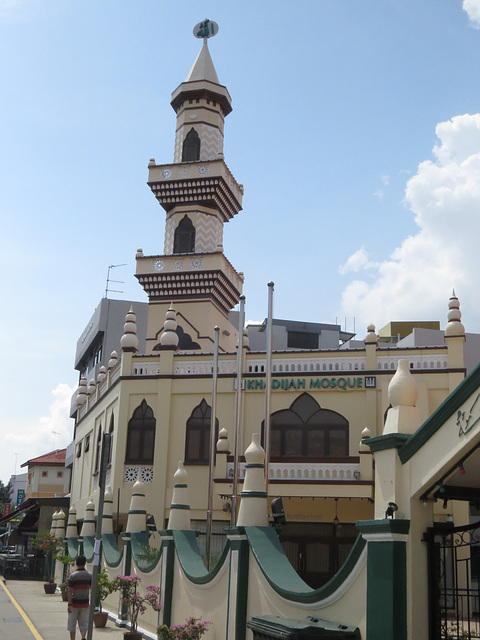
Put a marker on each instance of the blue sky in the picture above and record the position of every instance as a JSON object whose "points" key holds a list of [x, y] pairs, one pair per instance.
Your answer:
{"points": [[355, 131]]}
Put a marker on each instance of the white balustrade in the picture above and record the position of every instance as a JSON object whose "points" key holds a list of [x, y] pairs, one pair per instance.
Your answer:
{"points": [[306, 471]]}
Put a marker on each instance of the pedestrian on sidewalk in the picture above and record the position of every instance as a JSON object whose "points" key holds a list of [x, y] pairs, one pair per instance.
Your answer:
{"points": [[79, 585]]}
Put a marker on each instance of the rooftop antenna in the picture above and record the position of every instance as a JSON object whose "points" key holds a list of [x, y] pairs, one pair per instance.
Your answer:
{"points": [[55, 433], [107, 288]]}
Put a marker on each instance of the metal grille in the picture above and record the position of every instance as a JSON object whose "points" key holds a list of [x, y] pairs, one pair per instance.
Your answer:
{"points": [[454, 582]]}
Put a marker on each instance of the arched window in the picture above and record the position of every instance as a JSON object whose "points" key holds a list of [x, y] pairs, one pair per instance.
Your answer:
{"points": [[110, 431], [191, 147], [305, 430], [141, 436], [184, 237], [98, 450], [197, 441]]}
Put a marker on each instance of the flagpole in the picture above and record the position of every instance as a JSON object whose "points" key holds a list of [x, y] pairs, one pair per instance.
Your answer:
{"points": [[268, 381], [212, 448], [238, 400], [105, 453]]}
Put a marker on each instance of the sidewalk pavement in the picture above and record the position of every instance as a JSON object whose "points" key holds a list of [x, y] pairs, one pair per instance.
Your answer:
{"points": [[28, 613]]}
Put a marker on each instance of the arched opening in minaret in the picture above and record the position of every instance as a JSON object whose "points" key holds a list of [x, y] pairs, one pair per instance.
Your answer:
{"points": [[191, 147], [184, 237]]}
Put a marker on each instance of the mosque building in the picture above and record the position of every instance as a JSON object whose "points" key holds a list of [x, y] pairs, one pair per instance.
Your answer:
{"points": [[328, 393]]}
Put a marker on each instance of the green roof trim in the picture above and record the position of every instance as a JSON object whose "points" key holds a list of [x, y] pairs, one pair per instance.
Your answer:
{"points": [[72, 547], [112, 555], [448, 407], [388, 441], [88, 547], [146, 557], [190, 559], [280, 574]]}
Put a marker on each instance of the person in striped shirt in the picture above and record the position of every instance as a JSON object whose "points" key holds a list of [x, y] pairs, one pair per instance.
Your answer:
{"points": [[79, 584]]}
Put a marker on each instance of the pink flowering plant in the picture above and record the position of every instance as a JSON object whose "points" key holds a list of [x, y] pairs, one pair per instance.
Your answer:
{"points": [[193, 629], [136, 602]]}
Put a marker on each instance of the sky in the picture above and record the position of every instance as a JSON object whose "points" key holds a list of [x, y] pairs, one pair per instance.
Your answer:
{"points": [[355, 131]]}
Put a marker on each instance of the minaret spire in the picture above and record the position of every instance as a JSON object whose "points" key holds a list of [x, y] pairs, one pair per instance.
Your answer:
{"points": [[203, 68], [199, 195]]}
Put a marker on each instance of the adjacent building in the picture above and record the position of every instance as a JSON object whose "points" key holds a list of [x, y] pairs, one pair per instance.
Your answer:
{"points": [[47, 476]]}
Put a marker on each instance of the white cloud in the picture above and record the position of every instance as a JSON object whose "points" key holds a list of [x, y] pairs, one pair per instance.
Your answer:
{"points": [[357, 262], [385, 180], [472, 7], [417, 279], [10, 9], [32, 440]]}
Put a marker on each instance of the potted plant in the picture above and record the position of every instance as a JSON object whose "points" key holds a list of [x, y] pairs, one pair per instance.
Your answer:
{"points": [[135, 602], [47, 543], [104, 588], [65, 560], [193, 629]]}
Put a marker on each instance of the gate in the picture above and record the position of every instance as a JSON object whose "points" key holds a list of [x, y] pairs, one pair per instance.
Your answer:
{"points": [[454, 581]]}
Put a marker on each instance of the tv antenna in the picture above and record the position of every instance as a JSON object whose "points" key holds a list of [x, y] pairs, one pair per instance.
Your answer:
{"points": [[107, 288], [55, 433]]}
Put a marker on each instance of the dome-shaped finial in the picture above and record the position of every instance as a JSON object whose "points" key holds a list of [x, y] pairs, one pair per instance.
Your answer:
{"points": [[88, 526], [179, 519], [107, 517], [371, 337], [82, 392], [129, 341], [137, 514], [222, 442], [72, 531], [403, 416], [402, 390], [113, 360], [102, 374], [454, 326], [169, 337], [253, 511]]}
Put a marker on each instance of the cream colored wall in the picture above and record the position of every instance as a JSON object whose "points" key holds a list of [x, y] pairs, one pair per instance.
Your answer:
{"points": [[347, 606], [208, 601], [198, 318], [173, 399]]}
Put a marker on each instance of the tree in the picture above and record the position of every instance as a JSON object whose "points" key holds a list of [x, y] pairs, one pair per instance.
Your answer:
{"points": [[5, 493]]}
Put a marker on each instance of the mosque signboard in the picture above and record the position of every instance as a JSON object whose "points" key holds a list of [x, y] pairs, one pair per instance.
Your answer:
{"points": [[323, 383]]}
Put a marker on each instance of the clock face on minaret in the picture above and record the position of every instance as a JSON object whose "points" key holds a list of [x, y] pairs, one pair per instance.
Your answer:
{"points": [[198, 194]]}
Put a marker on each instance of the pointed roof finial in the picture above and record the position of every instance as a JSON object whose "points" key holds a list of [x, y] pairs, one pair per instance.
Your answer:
{"points": [[203, 68], [454, 326], [169, 336], [129, 340]]}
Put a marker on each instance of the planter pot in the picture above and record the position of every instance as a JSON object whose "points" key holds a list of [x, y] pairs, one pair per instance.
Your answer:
{"points": [[64, 596], [131, 635], [100, 619], [50, 587]]}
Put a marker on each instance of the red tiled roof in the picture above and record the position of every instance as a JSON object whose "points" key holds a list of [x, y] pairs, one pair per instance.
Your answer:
{"points": [[55, 458]]}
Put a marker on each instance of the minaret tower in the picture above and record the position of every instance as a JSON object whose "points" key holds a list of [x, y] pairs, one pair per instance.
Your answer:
{"points": [[199, 194]]}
